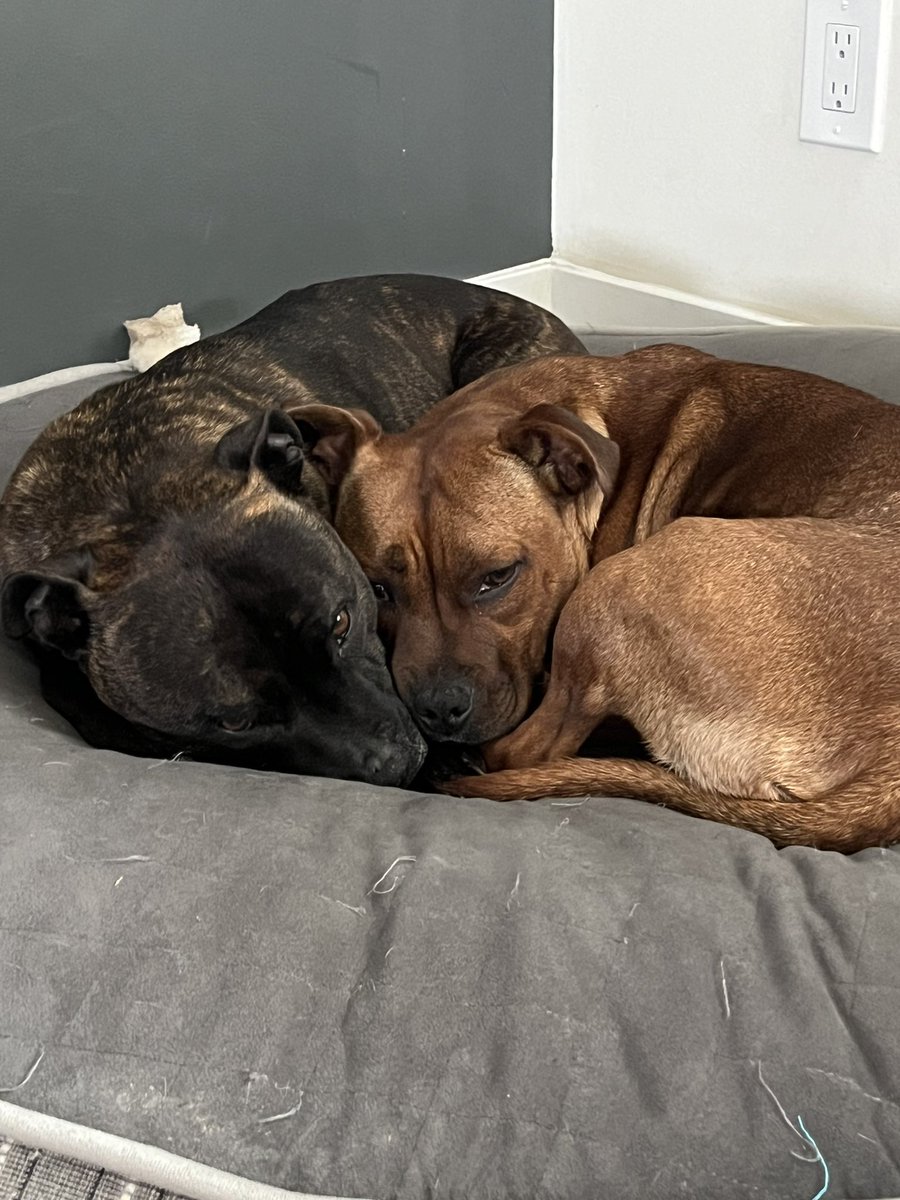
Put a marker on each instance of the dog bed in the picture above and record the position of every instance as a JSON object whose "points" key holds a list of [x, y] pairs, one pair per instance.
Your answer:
{"points": [[216, 983]]}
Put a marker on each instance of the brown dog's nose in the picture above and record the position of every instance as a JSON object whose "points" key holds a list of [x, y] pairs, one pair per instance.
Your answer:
{"points": [[443, 709]]}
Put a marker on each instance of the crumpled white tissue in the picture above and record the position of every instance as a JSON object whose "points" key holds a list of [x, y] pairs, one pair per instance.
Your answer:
{"points": [[152, 338]]}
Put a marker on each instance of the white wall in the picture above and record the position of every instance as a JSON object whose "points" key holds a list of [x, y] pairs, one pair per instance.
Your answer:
{"points": [[678, 161]]}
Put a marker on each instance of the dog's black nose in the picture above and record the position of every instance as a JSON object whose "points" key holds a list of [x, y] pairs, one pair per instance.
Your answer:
{"points": [[443, 709], [394, 765]]}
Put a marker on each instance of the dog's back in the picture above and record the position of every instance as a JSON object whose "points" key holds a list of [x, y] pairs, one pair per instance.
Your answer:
{"points": [[442, 334], [393, 345]]}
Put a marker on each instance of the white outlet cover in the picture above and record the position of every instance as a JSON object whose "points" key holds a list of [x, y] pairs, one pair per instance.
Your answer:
{"points": [[841, 68], [862, 129]]}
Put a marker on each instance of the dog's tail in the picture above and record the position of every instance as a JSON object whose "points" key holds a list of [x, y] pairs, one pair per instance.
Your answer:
{"points": [[858, 815]]}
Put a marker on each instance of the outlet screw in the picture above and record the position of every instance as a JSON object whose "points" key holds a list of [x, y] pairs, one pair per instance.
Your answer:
{"points": [[837, 129]]}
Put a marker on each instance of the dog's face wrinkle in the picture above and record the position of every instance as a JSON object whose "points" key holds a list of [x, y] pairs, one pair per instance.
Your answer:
{"points": [[429, 523], [249, 624]]}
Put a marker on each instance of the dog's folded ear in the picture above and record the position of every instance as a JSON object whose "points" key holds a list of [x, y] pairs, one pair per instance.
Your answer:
{"points": [[52, 609], [333, 435], [568, 455], [270, 443]]}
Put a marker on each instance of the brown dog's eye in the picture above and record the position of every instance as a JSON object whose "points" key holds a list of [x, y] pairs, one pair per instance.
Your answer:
{"points": [[341, 627], [495, 580], [238, 725], [382, 594]]}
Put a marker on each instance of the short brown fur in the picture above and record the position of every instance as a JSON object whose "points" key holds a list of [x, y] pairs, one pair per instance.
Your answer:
{"points": [[758, 656]]}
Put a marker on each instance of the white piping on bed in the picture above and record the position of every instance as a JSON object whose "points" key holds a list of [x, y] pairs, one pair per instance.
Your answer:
{"points": [[134, 1160], [56, 378]]}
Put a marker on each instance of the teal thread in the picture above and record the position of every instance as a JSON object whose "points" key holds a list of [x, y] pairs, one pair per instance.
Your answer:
{"points": [[812, 1145]]}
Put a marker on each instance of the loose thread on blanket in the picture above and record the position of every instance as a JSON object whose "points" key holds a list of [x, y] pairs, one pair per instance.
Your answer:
{"points": [[801, 1133], [354, 908], [813, 1146], [31, 1070], [376, 886], [725, 989], [283, 1116], [787, 1120], [163, 761], [790, 1124]]}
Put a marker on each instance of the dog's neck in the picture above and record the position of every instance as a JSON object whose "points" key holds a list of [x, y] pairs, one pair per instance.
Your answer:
{"points": [[648, 494]]}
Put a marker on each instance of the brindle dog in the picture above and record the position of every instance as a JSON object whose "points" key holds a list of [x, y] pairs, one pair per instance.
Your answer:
{"points": [[167, 546]]}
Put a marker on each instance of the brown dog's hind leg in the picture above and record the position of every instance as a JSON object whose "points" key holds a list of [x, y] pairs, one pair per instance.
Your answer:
{"points": [[845, 821]]}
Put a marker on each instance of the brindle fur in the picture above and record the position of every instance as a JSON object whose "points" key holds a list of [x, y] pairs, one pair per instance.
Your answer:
{"points": [[114, 499]]}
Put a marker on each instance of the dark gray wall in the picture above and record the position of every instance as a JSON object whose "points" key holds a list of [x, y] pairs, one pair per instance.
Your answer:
{"points": [[218, 152]]}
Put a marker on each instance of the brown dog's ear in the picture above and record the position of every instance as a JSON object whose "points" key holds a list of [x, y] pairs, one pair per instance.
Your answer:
{"points": [[569, 457], [333, 435]]}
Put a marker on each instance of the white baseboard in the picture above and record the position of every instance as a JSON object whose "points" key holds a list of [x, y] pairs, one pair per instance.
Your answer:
{"points": [[582, 297], [530, 281], [588, 299]]}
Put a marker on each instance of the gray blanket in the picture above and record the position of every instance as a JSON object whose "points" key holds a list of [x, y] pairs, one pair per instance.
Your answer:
{"points": [[346, 990]]}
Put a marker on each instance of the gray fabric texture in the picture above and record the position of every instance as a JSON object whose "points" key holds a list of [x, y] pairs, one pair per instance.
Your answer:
{"points": [[366, 992]]}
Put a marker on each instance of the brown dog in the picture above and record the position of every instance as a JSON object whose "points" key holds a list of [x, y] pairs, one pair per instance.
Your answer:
{"points": [[759, 658]]}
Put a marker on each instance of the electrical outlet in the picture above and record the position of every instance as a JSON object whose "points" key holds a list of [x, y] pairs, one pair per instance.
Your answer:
{"points": [[845, 71], [841, 68]]}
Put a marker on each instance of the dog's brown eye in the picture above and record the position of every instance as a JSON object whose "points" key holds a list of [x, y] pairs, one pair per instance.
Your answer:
{"points": [[237, 725], [495, 580], [341, 627]]}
